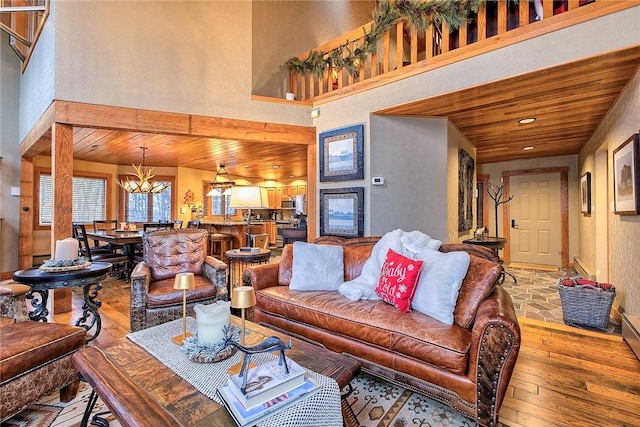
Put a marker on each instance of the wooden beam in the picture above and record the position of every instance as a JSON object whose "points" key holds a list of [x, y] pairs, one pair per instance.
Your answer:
{"points": [[25, 221], [39, 137], [62, 174]]}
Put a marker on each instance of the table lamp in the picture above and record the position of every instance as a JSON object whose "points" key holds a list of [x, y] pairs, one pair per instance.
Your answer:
{"points": [[243, 297], [183, 282], [249, 197]]}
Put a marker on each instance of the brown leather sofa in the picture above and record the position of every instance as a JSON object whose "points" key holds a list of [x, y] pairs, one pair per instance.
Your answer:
{"points": [[166, 253], [466, 365]]}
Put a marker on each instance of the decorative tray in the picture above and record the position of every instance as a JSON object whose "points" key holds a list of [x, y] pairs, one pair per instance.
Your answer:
{"points": [[58, 269]]}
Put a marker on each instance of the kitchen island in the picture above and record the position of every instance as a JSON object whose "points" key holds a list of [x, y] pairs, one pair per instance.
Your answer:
{"points": [[238, 229]]}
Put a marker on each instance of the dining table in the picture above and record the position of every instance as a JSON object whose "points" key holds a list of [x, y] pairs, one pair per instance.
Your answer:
{"points": [[126, 238]]}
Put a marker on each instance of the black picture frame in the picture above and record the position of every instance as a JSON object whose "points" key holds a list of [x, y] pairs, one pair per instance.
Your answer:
{"points": [[342, 154], [342, 212], [626, 177], [585, 193]]}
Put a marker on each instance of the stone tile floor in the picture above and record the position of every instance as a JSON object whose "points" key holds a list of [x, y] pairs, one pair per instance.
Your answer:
{"points": [[536, 296]]}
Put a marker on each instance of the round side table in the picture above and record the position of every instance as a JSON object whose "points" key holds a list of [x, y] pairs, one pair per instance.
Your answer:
{"points": [[238, 261], [41, 282]]}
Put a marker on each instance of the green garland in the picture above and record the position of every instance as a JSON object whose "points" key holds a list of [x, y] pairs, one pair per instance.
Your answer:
{"points": [[419, 14]]}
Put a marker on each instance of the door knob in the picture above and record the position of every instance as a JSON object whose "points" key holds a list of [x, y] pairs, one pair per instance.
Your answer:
{"points": [[513, 224]]}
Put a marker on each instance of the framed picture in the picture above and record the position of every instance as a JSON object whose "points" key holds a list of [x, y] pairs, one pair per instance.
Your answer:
{"points": [[626, 177], [585, 193], [341, 154], [342, 212]]}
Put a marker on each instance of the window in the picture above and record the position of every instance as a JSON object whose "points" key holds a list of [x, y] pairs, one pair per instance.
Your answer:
{"points": [[89, 199], [219, 204], [149, 207]]}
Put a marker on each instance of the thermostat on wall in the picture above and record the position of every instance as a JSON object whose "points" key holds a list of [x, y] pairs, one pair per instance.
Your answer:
{"points": [[377, 180]]}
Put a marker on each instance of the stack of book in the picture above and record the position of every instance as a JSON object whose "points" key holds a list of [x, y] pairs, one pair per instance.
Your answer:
{"points": [[269, 390]]}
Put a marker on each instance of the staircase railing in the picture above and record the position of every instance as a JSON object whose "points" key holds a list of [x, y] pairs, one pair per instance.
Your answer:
{"points": [[402, 53]]}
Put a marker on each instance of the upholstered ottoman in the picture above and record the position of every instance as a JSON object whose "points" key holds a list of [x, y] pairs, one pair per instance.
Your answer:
{"points": [[35, 359]]}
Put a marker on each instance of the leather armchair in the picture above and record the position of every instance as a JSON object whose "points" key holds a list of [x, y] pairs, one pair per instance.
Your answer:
{"points": [[166, 253]]}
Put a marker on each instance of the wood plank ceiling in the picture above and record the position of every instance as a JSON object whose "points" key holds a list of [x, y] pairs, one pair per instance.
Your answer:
{"points": [[568, 102], [264, 161]]}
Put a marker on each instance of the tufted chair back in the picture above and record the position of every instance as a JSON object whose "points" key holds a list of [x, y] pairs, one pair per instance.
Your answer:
{"points": [[169, 252]]}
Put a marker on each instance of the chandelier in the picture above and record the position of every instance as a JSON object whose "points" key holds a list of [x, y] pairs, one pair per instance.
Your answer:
{"points": [[141, 180], [221, 184]]}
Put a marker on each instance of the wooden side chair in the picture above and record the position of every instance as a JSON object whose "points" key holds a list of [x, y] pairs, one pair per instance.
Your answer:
{"points": [[193, 224]]}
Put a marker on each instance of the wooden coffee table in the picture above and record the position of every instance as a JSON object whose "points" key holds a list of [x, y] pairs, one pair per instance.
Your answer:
{"points": [[126, 366]]}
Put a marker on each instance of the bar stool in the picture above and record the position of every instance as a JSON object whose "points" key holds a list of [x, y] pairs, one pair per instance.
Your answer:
{"points": [[220, 243]]}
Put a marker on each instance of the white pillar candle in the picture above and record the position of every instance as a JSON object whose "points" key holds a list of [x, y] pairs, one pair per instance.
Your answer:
{"points": [[211, 319], [66, 249]]}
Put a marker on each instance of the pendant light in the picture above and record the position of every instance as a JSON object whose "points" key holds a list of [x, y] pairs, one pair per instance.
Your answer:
{"points": [[221, 184], [141, 181]]}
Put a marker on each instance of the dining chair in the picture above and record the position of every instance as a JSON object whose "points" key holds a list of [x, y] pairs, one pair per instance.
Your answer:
{"points": [[152, 226], [193, 224], [119, 260], [106, 224], [177, 224]]}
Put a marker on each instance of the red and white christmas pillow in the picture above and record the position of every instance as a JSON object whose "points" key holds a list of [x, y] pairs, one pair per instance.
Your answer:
{"points": [[398, 280]]}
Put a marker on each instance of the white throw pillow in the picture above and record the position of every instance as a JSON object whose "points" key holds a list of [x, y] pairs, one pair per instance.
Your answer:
{"points": [[316, 267], [439, 283]]}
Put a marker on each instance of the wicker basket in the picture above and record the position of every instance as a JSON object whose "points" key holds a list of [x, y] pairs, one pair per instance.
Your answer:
{"points": [[586, 305]]}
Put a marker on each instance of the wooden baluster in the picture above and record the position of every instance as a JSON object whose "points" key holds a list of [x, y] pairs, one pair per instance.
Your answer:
{"points": [[573, 5], [547, 9], [385, 52], [399, 45], [414, 46], [445, 37], [303, 84], [502, 17], [312, 86], [352, 46], [482, 23], [524, 13], [428, 36], [374, 64], [462, 36], [321, 81]]}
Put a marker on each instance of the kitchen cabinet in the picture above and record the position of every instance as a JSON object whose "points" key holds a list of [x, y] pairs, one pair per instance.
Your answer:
{"points": [[271, 195], [289, 193], [302, 189], [270, 229]]}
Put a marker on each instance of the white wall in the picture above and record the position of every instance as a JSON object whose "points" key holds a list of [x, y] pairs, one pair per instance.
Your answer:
{"points": [[37, 82], [305, 29], [411, 155], [624, 231], [10, 153]]}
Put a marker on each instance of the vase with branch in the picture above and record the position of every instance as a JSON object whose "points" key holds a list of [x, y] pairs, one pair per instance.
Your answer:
{"points": [[497, 194]]}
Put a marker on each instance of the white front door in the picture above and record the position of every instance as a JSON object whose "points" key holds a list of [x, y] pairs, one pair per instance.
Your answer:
{"points": [[535, 231]]}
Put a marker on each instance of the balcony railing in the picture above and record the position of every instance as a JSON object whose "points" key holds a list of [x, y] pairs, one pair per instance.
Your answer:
{"points": [[402, 53]]}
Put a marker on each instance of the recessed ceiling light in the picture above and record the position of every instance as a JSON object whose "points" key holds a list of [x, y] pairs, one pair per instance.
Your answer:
{"points": [[527, 120], [528, 147], [275, 166], [246, 166]]}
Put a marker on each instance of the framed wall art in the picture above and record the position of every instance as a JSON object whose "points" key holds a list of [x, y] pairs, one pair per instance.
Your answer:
{"points": [[466, 173], [626, 177], [585, 193], [342, 212], [342, 154]]}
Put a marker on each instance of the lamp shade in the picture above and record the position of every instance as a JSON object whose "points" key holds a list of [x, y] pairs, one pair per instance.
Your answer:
{"points": [[249, 197], [184, 281], [243, 297]]}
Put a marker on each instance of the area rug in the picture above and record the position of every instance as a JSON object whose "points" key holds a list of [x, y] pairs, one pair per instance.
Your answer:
{"points": [[373, 402], [34, 416], [378, 403], [50, 412]]}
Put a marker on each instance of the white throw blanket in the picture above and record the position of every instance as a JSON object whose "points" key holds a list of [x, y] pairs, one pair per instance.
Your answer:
{"points": [[407, 243]]}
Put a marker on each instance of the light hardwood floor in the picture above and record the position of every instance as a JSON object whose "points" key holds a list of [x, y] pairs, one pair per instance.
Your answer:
{"points": [[564, 376]]}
